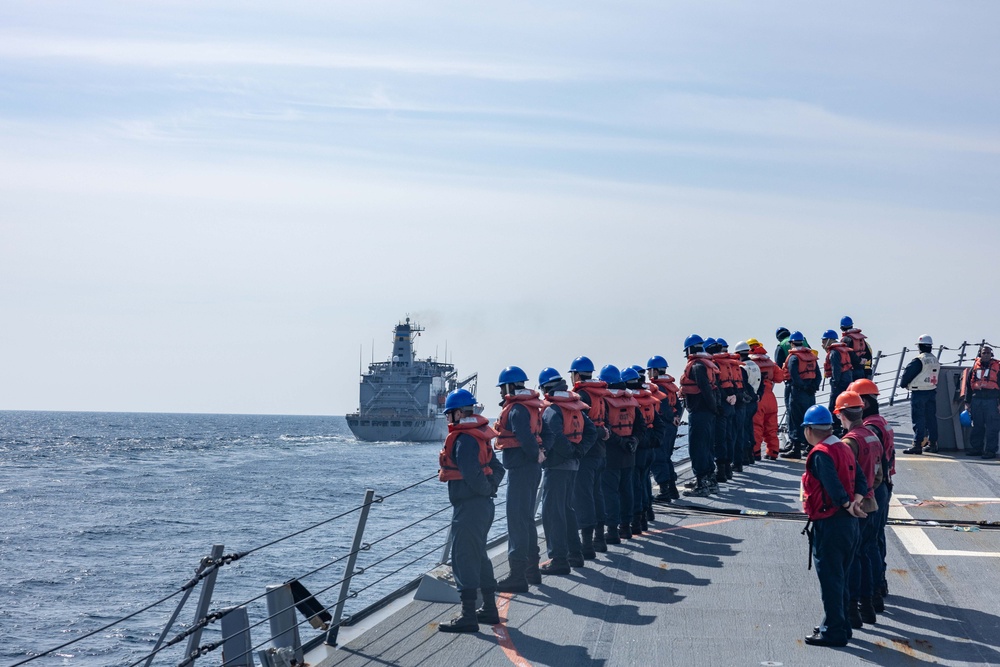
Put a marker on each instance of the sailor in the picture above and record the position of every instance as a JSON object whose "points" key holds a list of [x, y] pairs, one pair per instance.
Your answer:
{"points": [[725, 422], [803, 376], [753, 389], [781, 353], [649, 405], [623, 439], [868, 450], [473, 474], [588, 499], [981, 395], [868, 391], [672, 410], [858, 344], [519, 431], [698, 386], [765, 422], [920, 377], [567, 433], [832, 489], [837, 368]]}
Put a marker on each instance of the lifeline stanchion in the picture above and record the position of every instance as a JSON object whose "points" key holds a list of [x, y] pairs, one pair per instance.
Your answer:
{"points": [[331, 637]]}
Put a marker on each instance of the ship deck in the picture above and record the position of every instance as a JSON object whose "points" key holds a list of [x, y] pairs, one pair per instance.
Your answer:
{"points": [[706, 587]]}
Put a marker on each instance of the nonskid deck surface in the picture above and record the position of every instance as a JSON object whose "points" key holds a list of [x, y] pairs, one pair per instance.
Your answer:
{"points": [[714, 589]]}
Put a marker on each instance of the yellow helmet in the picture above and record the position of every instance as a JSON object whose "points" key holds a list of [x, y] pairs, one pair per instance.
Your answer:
{"points": [[753, 342]]}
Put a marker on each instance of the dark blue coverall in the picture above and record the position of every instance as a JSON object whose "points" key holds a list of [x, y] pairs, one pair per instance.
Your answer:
{"points": [[472, 515], [562, 460], [803, 397], [662, 467], [617, 477], [834, 542], [702, 409], [642, 489], [524, 476], [839, 379], [588, 498]]}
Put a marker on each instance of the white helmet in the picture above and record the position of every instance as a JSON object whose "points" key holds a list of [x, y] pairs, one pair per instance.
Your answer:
{"points": [[925, 340], [741, 347]]}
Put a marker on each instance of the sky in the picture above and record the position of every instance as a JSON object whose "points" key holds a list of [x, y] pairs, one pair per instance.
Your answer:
{"points": [[221, 206]]}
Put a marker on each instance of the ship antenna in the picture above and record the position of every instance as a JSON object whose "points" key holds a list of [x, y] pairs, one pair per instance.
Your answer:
{"points": [[361, 357]]}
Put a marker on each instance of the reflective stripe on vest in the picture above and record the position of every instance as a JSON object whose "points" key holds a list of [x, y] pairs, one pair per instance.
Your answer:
{"points": [[807, 363], [888, 441], [572, 409], [978, 378]]}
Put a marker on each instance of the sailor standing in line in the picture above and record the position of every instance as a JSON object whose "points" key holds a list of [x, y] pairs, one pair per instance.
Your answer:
{"points": [[621, 445], [837, 368], [867, 449], [519, 430], [725, 421], [649, 404], [698, 385], [753, 389], [588, 498], [832, 489], [858, 343], [672, 409], [803, 376], [567, 433], [473, 474], [876, 423], [921, 377]]}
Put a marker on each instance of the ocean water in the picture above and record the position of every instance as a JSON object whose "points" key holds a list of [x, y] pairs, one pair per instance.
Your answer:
{"points": [[104, 513]]}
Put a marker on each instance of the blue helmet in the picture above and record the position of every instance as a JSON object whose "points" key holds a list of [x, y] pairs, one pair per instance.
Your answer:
{"points": [[818, 415], [722, 342], [692, 340], [656, 361], [965, 418], [638, 369], [610, 374], [512, 375], [630, 375], [830, 334], [846, 321], [547, 375], [781, 333], [582, 365], [797, 337], [460, 398], [709, 342]]}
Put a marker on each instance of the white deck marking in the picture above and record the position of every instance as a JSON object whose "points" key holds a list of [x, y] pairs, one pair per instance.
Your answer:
{"points": [[915, 539]]}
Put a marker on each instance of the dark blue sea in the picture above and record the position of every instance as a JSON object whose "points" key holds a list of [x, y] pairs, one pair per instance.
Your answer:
{"points": [[104, 513]]}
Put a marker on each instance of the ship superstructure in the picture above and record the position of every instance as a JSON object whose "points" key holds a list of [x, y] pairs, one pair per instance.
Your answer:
{"points": [[403, 398]]}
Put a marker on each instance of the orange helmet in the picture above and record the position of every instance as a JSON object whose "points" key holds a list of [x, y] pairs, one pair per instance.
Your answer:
{"points": [[863, 387], [848, 399]]}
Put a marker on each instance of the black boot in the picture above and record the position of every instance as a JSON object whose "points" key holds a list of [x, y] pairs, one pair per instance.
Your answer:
{"points": [[624, 531], [729, 471], [867, 611], [674, 494], [488, 613], [738, 466], [664, 495], [650, 516], [636, 526], [854, 615], [701, 489], [917, 448], [931, 448], [556, 566], [794, 453], [464, 622], [587, 543], [600, 546], [878, 602], [612, 536], [515, 581], [533, 574], [720, 472]]}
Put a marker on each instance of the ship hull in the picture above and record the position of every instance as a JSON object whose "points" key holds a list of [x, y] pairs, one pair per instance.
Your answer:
{"points": [[375, 429]]}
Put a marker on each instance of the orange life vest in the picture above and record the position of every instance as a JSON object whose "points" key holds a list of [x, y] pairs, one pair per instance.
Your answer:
{"points": [[689, 387], [666, 385], [807, 363], [648, 404], [855, 340], [530, 399], [597, 390], [658, 395], [845, 359], [979, 377], [768, 370], [730, 377], [816, 503], [479, 428], [572, 409], [621, 407]]}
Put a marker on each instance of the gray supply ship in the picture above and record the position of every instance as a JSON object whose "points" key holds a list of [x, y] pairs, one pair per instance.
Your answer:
{"points": [[403, 398]]}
